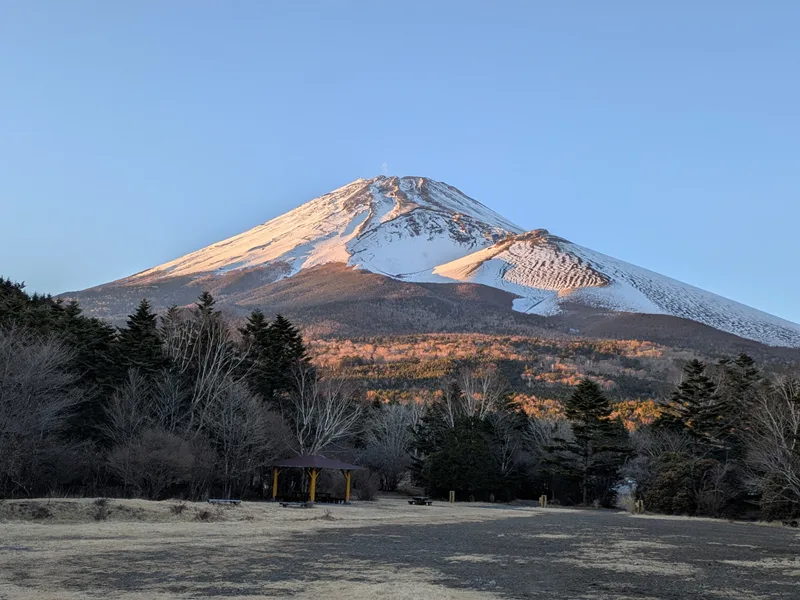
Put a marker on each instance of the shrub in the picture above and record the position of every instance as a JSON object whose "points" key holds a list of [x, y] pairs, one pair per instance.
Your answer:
{"points": [[40, 512], [367, 490], [152, 462], [100, 512], [177, 509], [204, 515], [626, 500]]}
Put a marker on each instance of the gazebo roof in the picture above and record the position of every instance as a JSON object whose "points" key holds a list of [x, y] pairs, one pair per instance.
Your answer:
{"points": [[315, 461]]}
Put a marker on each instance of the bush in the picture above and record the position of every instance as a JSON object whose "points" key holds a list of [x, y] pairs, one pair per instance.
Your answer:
{"points": [[40, 512], [367, 488], [100, 512], [204, 515], [626, 500], [177, 509], [153, 462]]}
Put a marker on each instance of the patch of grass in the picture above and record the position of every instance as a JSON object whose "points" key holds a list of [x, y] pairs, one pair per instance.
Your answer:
{"points": [[39, 512], [326, 516], [177, 509], [206, 515], [100, 511]]}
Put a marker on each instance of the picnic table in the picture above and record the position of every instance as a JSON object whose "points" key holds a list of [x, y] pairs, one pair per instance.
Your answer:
{"points": [[421, 501]]}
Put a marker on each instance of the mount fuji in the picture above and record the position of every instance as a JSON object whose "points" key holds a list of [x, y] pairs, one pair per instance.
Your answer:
{"points": [[388, 240]]}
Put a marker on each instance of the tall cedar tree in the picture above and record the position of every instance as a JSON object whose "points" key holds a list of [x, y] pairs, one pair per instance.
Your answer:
{"points": [[140, 342], [274, 350], [463, 463], [695, 407], [739, 380], [599, 445]]}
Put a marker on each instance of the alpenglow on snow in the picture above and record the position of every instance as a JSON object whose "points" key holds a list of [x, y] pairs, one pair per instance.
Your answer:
{"points": [[418, 230]]}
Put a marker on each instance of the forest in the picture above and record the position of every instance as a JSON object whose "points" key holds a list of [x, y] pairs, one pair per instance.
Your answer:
{"points": [[193, 404]]}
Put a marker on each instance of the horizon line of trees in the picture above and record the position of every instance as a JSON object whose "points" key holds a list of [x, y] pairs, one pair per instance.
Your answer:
{"points": [[186, 404]]}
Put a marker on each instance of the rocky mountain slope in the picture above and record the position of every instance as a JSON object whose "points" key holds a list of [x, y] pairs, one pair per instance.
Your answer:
{"points": [[429, 245]]}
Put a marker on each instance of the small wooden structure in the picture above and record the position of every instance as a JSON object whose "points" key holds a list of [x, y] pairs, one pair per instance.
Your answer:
{"points": [[314, 463]]}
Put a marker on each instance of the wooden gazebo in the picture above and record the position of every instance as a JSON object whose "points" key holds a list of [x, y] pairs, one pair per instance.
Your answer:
{"points": [[314, 463]]}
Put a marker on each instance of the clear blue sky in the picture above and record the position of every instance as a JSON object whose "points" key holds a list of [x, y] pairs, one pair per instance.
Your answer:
{"points": [[667, 136]]}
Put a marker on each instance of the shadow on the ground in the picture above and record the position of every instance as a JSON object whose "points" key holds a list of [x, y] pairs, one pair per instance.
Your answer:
{"points": [[559, 554]]}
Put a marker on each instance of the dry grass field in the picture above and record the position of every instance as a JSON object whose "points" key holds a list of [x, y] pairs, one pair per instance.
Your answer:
{"points": [[137, 550]]}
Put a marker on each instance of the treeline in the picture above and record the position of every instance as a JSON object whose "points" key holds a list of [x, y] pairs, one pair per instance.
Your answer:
{"points": [[179, 405], [188, 404], [725, 443]]}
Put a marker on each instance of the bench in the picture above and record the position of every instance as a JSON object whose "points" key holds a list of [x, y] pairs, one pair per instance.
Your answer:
{"points": [[421, 501], [223, 501], [296, 504]]}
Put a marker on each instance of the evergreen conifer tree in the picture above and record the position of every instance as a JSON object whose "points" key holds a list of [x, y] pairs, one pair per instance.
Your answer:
{"points": [[274, 350], [140, 342], [598, 447], [695, 408]]}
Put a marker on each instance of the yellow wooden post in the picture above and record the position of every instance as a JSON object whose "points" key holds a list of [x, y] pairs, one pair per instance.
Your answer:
{"points": [[274, 482], [347, 486], [312, 490]]}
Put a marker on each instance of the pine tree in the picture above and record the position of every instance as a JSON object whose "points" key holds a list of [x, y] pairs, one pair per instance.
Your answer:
{"points": [[738, 382], [598, 447], [273, 351], [255, 340], [205, 305], [140, 342], [95, 356], [695, 408]]}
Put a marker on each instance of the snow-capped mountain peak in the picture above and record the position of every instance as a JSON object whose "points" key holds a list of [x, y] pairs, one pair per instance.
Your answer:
{"points": [[418, 230], [390, 225]]}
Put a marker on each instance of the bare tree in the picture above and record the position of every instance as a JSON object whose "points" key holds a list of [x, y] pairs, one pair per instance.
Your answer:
{"points": [[653, 442], [201, 346], [507, 439], [247, 435], [389, 436], [541, 436], [152, 462], [169, 402], [37, 395], [128, 412], [483, 390], [773, 443], [321, 410]]}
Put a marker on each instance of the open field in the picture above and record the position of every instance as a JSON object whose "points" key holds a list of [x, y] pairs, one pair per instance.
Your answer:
{"points": [[386, 549]]}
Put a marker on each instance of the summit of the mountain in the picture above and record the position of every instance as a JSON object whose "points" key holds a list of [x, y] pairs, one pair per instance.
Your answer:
{"points": [[390, 225], [427, 233]]}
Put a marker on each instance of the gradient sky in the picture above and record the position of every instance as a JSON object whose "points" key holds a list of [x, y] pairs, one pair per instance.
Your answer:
{"points": [[668, 136]]}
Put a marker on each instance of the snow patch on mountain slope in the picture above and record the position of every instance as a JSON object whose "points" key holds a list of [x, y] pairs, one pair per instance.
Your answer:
{"points": [[546, 271]]}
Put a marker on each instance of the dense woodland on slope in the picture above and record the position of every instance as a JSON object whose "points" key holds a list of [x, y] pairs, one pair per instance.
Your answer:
{"points": [[189, 404]]}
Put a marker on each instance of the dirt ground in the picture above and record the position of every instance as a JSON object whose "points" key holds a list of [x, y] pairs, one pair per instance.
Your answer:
{"points": [[385, 549]]}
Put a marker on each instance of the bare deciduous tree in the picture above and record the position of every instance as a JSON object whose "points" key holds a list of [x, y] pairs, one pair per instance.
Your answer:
{"points": [[389, 436], [321, 410], [201, 345], [153, 461], [127, 414], [507, 439], [247, 435], [483, 390], [37, 395], [773, 443]]}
